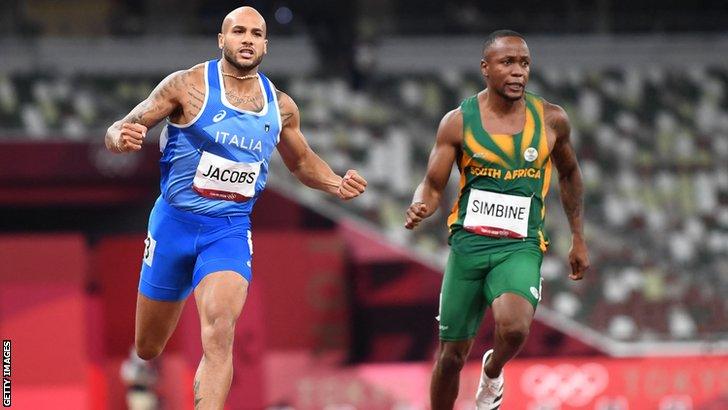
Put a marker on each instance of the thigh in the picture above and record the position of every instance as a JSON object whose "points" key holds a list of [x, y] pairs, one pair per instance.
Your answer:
{"points": [[168, 258], [512, 311], [220, 296], [155, 320], [517, 272], [224, 249], [461, 298]]}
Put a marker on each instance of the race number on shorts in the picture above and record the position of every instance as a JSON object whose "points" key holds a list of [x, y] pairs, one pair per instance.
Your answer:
{"points": [[149, 245], [220, 178], [497, 215]]}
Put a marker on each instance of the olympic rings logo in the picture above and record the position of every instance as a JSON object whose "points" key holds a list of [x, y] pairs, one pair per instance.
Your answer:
{"points": [[568, 384]]}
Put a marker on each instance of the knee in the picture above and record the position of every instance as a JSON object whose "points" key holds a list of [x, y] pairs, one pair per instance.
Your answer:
{"points": [[451, 362], [514, 333], [146, 350], [217, 335]]}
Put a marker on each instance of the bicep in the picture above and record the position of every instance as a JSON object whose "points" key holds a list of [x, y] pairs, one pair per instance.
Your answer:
{"points": [[444, 152], [162, 101], [292, 146], [563, 153], [564, 157]]}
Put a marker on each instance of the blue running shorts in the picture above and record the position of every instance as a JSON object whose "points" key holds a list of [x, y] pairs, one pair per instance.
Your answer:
{"points": [[182, 248]]}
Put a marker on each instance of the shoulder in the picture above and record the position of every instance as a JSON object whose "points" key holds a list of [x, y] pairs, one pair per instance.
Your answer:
{"points": [[287, 109], [195, 71], [194, 75], [451, 127], [179, 81], [285, 100], [453, 118], [554, 113], [556, 117]]}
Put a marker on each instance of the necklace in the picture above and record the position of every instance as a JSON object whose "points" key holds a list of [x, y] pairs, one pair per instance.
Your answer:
{"points": [[240, 77]]}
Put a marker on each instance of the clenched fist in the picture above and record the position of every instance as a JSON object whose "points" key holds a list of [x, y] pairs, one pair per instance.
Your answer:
{"points": [[578, 259], [415, 214], [352, 185], [130, 137]]}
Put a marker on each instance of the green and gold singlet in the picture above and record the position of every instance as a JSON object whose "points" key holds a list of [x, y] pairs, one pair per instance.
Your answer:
{"points": [[504, 180]]}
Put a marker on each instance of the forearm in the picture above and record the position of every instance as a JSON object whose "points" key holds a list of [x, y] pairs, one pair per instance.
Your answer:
{"points": [[572, 193], [313, 172], [112, 137], [429, 195]]}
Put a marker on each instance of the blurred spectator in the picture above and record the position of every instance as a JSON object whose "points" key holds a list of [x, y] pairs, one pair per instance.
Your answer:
{"points": [[140, 378]]}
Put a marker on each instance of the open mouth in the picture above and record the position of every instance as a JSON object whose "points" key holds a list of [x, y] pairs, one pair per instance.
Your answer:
{"points": [[515, 86], [247, 52]]}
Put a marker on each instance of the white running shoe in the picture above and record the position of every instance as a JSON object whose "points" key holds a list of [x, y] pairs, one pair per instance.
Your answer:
{"points": [[490, 391]]}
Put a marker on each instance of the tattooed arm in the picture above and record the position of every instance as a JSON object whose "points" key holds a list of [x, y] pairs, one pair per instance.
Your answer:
{"points": [[570, 184], [128, 133], [308, 167]]}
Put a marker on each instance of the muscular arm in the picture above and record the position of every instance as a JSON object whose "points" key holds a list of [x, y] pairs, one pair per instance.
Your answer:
{"points": [[564, 159], [570, 184], [163, 101], [305, 164], [427, 195]]}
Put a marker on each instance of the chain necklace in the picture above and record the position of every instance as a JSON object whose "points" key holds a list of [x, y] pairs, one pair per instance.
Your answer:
{"points": [[241, 77]]}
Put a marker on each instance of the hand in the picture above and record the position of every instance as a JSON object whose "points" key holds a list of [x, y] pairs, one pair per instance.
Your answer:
{"points": [[131, 137], [352, 185], [415, 214], [578, 259]]}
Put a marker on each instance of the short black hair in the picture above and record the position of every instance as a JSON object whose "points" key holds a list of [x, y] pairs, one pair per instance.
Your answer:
{"points": [[492, 37]]}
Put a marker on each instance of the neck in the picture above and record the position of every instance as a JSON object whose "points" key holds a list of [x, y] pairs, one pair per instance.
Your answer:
{"points": [[231, 69], [501, 105]]}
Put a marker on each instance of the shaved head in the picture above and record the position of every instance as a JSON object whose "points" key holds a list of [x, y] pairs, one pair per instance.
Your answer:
{"points": [[498, 34], [241, 13], [242, 39]]}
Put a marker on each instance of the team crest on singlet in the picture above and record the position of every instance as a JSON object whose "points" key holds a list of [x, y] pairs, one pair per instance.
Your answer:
{"points": [[530, 154]]}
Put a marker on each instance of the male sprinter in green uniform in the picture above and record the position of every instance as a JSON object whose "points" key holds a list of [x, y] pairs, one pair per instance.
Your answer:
{"points": [[504, 141]]}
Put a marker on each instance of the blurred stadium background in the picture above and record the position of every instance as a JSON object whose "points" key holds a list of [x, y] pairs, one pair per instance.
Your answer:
{"points": [[341, 311]]}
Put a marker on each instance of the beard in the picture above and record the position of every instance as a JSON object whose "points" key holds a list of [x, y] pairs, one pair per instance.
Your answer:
{"points": [[229, 56]]}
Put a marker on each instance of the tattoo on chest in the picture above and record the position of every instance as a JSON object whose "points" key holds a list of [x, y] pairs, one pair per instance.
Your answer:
{"points": [[246, 102]]}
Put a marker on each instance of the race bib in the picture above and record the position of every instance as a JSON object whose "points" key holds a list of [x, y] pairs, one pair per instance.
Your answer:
{"points": [[497, 215], [221, 178]]}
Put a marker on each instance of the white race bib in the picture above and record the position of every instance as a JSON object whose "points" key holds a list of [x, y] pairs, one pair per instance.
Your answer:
{"points": [[497, 215], [221, 178]]}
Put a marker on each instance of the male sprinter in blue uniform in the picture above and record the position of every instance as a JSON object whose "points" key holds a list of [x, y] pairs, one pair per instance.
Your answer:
{"points": [[224, 119]]}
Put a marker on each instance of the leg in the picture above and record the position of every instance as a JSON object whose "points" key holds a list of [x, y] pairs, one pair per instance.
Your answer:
{"points": [[164, 282], [220, 297], [154, 324], [446, 374], [513, 315], [462, 305], [512, 288]]}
